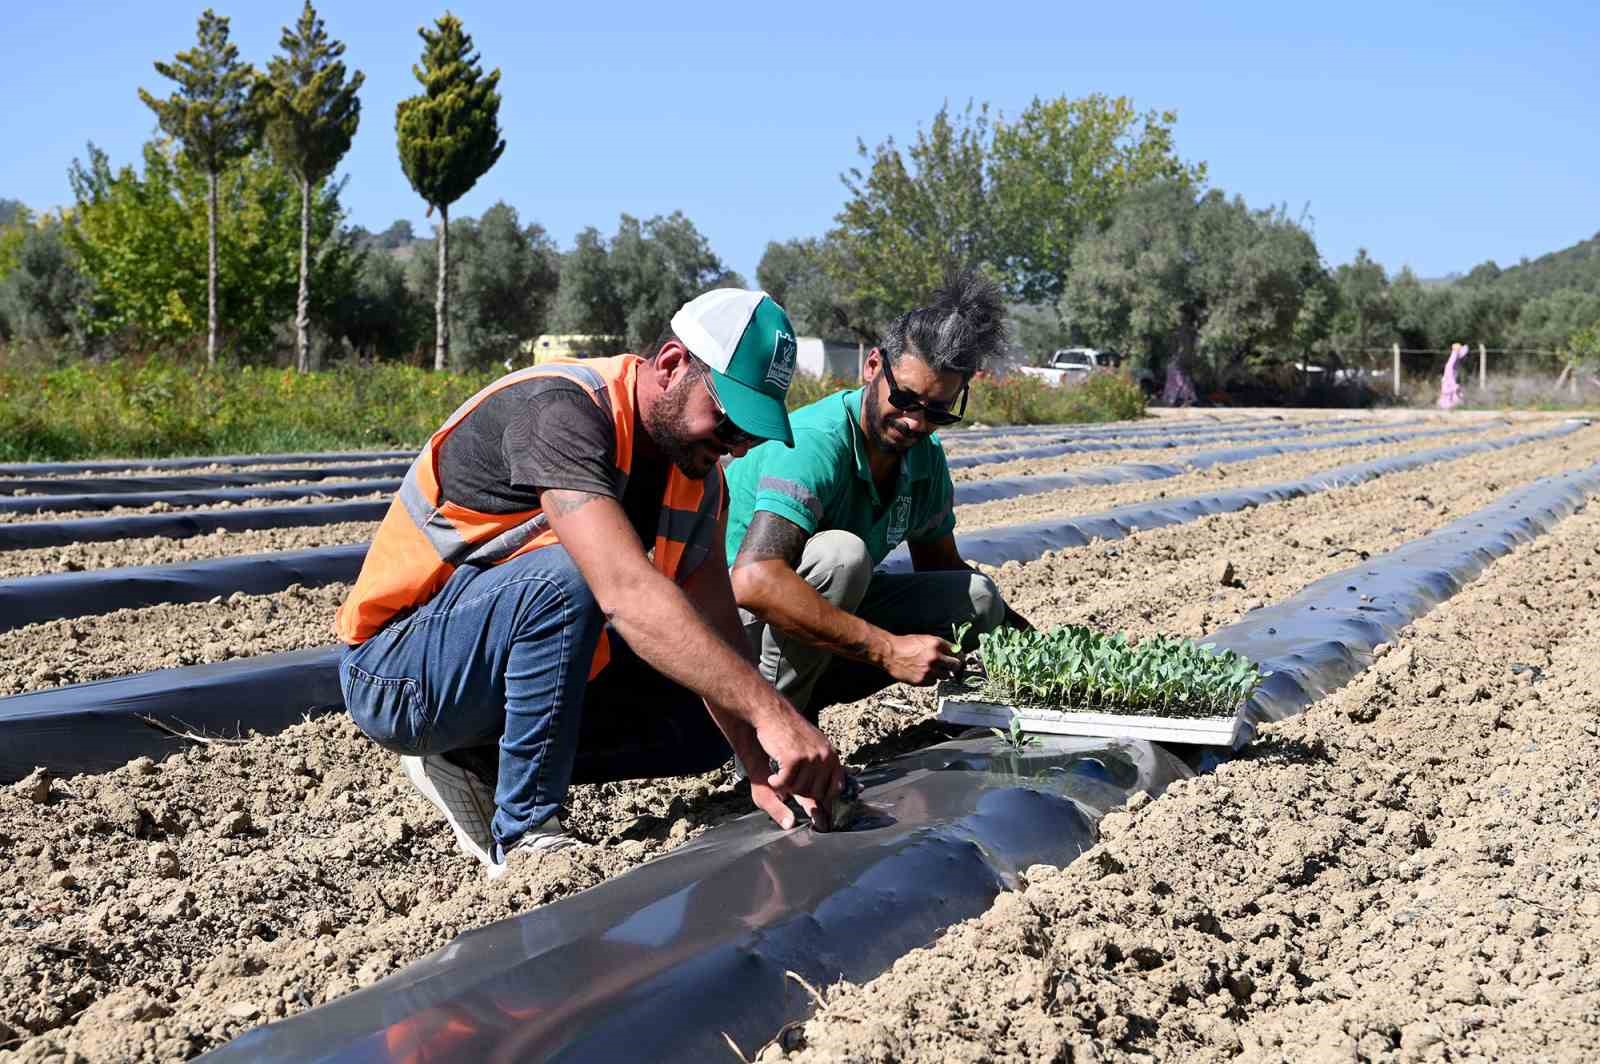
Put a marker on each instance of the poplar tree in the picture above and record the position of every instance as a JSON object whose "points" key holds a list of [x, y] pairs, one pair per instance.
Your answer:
{"points": [[309, 113], [211, 119], [448, 138]]}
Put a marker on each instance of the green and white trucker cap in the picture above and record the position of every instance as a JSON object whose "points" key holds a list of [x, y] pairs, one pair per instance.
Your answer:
{"points": [[748, 342]]}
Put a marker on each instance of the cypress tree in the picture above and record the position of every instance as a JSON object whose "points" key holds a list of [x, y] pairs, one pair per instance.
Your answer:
{"points": [[211, 119], [448, 138], [309, 113]]}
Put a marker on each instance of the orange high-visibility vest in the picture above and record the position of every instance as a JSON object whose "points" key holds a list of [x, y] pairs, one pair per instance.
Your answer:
{"points": [[425, 537]]}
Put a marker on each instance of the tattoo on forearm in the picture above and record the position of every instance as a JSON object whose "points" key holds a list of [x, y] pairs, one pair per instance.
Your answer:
{"points": [[560, 502], [770, 536]]}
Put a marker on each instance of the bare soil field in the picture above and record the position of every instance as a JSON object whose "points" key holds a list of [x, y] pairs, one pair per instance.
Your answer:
{"points": [[1361, 871], [1406, 873]]}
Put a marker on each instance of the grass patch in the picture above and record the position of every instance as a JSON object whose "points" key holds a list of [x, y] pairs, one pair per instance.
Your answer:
{"points": [[159, 407]]}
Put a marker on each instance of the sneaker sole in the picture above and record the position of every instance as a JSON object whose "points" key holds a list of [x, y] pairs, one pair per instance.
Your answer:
{"points": [[463, 802]]}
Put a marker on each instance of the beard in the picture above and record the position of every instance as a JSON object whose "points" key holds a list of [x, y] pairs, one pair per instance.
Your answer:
{"points": [[879, 420], [665, 424]]}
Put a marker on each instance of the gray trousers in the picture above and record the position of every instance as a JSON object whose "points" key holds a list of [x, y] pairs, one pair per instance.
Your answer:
{"points": [[837, 565]]}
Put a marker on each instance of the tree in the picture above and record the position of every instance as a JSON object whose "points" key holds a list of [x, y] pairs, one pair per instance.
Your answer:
{"points": [[140, 239], [587, 300], [42, 295], [633, 284], [16, 221], [1177, 280], [380, 316], [505, 277], [1011, 197], [309, 112], [795, 273], [448, 138], [209, 115], [914, 219], [1365, 316], [1058, 172]]}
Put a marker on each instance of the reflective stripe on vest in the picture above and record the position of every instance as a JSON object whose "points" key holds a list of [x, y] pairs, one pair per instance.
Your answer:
{"points": [[425, 537]]}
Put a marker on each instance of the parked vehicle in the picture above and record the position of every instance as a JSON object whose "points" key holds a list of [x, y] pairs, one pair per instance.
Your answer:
{"points": [[1069, 365]]}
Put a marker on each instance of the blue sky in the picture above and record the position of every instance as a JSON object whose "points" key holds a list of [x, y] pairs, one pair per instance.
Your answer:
{"points": [[1434, 135]]}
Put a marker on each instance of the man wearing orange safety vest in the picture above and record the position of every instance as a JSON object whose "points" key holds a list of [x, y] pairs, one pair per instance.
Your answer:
{"points": [[558, 499]]}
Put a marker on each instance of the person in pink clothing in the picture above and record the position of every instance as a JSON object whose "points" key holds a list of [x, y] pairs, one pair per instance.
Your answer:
{"points": [[1449, 389]]}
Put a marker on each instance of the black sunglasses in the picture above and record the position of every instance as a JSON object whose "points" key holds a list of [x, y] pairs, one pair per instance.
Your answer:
{"points": [[910, 402], [727, 433]]}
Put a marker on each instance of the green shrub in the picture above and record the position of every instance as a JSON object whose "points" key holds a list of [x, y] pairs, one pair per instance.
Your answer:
{"points": [[163, 406], [1022, 399], [160, 407]]}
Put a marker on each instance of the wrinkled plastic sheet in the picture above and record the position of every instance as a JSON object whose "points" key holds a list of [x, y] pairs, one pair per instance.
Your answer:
{"points": [[997, 488], [1053, 450], [1316, 641], [33, 504], [32, 599], [184, 523], [193, 481], [96, 727], [119, 465], [658, 963], [1025, 542]]}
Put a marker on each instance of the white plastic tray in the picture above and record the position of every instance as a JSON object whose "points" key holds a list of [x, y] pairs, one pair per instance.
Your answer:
{"points": [[1233, 732]]}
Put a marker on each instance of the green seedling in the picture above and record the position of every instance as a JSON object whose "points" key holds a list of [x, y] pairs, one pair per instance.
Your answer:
{"points": [[1016, 740], [1077, 668]]}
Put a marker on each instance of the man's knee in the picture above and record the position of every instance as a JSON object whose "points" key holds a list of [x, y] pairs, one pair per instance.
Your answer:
{"points": [[838, 565], [988, 608]]}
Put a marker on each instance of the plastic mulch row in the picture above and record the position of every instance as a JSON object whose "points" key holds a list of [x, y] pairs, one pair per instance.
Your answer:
{"points": [[60, 727]]}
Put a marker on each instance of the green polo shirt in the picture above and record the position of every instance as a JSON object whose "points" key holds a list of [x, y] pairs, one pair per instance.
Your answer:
{"points": [[824, 482]]}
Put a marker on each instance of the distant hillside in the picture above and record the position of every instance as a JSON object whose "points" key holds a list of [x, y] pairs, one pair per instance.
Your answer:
{"points": [[1576, 267]]}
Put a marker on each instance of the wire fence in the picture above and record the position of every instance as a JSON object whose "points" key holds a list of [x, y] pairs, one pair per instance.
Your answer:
{"points": [[1527, 370]]}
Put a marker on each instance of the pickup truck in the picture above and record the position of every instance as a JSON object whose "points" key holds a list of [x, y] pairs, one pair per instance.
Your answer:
{"points": [[1070, 365]]}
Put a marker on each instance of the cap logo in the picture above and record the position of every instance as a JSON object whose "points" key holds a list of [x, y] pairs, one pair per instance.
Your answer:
{"points": [[780, 371]]}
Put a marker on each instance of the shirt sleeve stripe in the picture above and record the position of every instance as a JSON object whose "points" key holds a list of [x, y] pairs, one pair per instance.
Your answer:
{"points": [[797, 492]]}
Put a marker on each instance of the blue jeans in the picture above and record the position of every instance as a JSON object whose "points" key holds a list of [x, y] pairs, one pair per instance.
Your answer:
{"points": [[493, 670]]}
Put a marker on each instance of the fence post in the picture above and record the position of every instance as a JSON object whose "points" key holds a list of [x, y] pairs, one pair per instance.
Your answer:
{"points": [[1483, 369], [1397, 371]]}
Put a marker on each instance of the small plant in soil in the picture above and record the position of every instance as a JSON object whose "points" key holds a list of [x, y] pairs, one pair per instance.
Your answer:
{"points": [[1077, 668], [1016, 740]]}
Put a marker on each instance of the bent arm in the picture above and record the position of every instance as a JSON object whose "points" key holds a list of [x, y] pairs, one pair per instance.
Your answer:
{"points": [[765, 583], [651, 612], [662, 625]]}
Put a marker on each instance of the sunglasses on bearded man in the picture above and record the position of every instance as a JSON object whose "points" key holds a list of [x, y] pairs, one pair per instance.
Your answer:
{"points": [[727, 432], [909, 402]]}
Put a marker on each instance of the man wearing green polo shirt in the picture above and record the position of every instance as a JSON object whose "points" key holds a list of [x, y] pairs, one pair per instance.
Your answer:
{"points": [[807, 526]]}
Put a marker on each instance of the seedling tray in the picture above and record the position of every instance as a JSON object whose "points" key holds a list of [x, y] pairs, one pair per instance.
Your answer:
{"points": [[960, 705]]}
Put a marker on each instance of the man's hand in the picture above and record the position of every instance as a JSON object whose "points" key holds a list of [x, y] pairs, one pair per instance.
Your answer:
{"points": [[921, 660], [808, 767]]}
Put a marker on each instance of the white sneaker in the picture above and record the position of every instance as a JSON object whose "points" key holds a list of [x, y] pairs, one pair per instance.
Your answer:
{"points": [[547, 837], [465, 800]]}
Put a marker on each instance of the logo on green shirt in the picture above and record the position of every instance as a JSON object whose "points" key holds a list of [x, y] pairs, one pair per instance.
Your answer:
{"points": [[898, 521]]}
